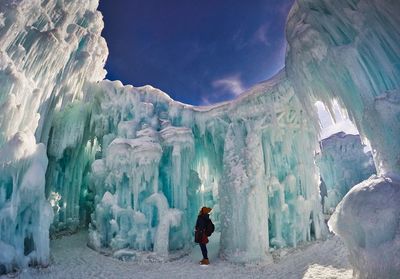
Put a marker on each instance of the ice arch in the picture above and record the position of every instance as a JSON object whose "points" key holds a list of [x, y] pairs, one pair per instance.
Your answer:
{"points": [[110, 147], [245, 158], [349, 51], [123, 158]]}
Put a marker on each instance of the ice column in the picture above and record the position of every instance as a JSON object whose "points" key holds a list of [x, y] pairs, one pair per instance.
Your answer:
{"points": [[179, 141], [167, 217], [25, 214], [243, 196]]}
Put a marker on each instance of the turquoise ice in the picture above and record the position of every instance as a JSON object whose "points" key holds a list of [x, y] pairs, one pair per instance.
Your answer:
{"points": [[161, 160], [342, 163], [135, 166]]}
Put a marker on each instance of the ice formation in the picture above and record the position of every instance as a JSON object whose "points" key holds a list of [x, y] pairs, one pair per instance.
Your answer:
{"points": [[349, 51], [48, 51], [368, 221], [137, 165], [342, 163], [25, 214], [160, 160]]}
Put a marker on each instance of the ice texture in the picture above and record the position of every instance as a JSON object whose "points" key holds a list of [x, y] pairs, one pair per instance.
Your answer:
{"points": [[137, 165], [368, 221], [342, 163], [25, 214], [48, 51], [161, 160], [349, 51]]}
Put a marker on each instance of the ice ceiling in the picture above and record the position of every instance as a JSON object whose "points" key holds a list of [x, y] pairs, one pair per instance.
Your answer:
{"points": [[135, 166]]}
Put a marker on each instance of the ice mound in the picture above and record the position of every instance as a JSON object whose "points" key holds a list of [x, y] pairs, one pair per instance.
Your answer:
{"points": [[368, 221]]}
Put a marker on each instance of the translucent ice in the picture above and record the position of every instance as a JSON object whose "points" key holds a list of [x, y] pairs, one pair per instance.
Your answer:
{"points": [[348, 51], [157, 154], [25, 214], [342, 163], [137, 165]]}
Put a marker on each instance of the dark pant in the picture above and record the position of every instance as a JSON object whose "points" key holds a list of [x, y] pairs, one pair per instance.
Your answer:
{"points": [[203, 248]]}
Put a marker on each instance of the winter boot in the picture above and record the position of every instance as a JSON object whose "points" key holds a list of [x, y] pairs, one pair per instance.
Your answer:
{"points": [[204, 262]]}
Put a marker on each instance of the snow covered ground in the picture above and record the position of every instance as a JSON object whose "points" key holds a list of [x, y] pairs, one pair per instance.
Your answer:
{"points": [[71, 258]]}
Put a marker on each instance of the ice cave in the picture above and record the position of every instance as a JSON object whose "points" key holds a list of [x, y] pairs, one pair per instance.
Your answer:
{"points": [[131, 166]]}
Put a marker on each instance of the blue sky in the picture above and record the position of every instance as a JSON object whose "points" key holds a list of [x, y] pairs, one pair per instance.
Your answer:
{"points": [[199, 52]]}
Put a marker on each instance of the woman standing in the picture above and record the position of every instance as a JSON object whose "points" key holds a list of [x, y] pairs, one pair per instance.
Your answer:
{"points": [[200, 236]]}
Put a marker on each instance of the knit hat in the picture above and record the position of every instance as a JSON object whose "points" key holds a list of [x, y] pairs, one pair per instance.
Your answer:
{"points": [[205, 210]]}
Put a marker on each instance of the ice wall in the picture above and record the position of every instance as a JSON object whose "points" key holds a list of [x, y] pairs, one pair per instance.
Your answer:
{"points": [[349, 51], [25, 214], [145, 164], [342, 163], [160, 160], [141, 163], [48, 50]]}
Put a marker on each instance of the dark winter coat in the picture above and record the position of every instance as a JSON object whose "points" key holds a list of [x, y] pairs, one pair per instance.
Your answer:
{"points": [[200, 229]]}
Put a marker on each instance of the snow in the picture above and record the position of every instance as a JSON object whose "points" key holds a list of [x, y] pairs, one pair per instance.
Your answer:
{"points": [[371, 234], [25, 214], [135, 166], [71, 258]]}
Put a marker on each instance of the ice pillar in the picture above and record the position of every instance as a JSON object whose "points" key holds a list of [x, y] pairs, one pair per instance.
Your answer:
{"points": [[243, 196]]}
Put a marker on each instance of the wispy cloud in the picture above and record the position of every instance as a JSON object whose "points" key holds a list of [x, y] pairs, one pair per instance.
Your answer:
{"points": [[261, 34], [239, 39], [205, 101], [285, 7], [232, 84]]}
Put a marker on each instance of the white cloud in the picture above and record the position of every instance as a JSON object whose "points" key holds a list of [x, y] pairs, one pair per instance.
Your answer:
{"points": [[261, 34], [205, 101], [2, 20], [233, 84]]}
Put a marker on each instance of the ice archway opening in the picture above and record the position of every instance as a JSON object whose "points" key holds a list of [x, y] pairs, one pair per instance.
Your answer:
{"points": [[251, 159]]}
